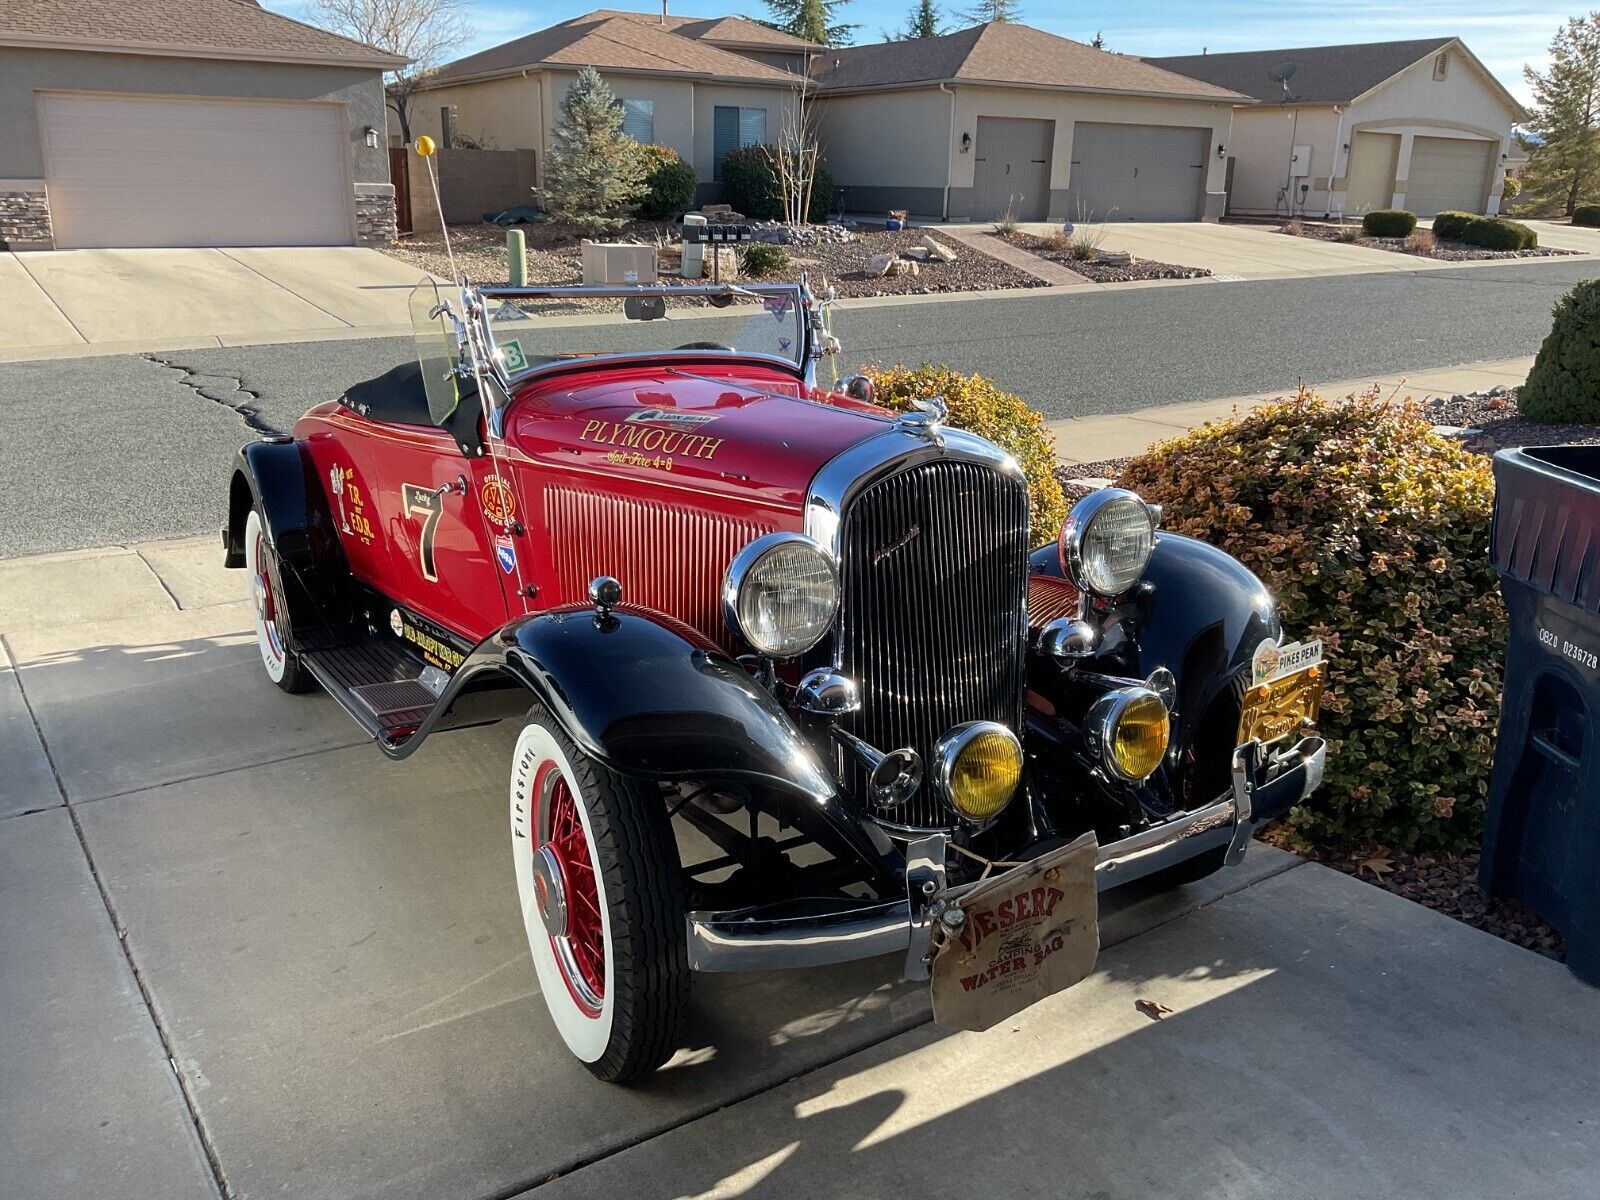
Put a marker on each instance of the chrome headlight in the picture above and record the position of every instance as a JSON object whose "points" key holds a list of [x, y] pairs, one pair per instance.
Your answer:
{"points": [[1128, 728], [978, 767], [781, 594], [1106, 541]]}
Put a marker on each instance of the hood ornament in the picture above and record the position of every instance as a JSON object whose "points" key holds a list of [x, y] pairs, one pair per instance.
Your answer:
{"points": [[925, 419]]}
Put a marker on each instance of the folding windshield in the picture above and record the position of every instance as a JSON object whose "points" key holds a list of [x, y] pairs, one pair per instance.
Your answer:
{"points": [[533, 328]]}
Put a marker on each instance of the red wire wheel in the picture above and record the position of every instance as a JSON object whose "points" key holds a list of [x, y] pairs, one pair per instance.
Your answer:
{"points": [[581, 952]]}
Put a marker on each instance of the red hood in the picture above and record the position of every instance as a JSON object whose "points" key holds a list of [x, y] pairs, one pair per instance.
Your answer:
{"points": [[734, 429]]}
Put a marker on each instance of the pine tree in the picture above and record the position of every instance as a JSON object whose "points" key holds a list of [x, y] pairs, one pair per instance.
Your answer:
{"points": [[811, 19], [1099, 42], [1566, 118], [923, 22], [993, 10], [595, 173]]}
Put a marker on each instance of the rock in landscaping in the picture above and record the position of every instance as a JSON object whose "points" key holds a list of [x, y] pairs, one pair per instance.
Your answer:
{"points": [[1113, 258], [880, 265], [939, 250], [920, 253]]}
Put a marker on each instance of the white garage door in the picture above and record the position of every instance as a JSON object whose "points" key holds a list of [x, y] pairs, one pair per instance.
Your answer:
{"points": [[1447, 173], [1137, 172], [140, 171]]}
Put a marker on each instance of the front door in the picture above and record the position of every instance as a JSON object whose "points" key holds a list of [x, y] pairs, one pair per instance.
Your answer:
{"points": [[1011, 169]]}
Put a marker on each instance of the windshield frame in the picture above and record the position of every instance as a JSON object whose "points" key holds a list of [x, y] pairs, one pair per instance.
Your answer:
{"points": [[479, 307]]}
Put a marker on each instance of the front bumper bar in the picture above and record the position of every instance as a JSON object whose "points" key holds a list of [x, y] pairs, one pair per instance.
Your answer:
{"points": [[747, 940]]}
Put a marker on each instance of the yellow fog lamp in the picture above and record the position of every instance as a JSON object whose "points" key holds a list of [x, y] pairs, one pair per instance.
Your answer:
{"points": [[1128, 728], [978, 767]]}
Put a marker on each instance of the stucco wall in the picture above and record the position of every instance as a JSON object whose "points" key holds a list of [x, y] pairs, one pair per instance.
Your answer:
{"points": [[22, 72], [518, 113], [502, 114], [884, 141], [1412, 104]]}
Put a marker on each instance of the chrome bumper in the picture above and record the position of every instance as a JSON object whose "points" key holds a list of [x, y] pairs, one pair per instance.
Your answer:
{"points": [[746, 940]]}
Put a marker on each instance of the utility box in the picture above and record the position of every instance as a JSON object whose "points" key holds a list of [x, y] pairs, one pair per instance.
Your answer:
{"points": [[1541, 841], [1300, 162], [694, 245], [610, 262]]}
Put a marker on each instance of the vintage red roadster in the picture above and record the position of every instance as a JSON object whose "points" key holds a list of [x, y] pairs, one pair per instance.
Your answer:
{"points": [[795, 687]]}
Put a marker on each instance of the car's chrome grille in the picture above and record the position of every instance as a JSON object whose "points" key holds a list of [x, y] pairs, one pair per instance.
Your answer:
{"points": [[933, 566]]}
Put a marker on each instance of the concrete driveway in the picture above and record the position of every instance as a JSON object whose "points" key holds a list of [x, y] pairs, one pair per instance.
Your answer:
{"points": [[1566, 237], [60, 303], [245, 955]]}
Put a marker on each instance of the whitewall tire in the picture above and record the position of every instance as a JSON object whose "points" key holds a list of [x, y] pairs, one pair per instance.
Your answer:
{"points": [[269, 611]]}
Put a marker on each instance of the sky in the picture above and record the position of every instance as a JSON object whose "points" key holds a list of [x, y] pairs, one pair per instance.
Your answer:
{"points": [[1504, 34]]}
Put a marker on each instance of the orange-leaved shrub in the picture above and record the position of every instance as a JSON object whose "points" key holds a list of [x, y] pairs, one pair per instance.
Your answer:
{"points": [[977, 405], [1373, 533]]}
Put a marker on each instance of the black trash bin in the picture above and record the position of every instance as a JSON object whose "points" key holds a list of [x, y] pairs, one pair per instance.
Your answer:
{"points": [[1541, 840]]}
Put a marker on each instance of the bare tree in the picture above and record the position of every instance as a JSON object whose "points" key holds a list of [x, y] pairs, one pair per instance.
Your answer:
{"points": [[422, 30]]}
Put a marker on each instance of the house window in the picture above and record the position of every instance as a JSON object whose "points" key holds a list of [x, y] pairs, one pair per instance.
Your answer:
{"points": [[639, 120], [1441, 66], [733, 128]]}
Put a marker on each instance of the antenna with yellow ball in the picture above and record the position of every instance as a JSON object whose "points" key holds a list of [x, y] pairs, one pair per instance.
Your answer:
{"points": [[425, 148]]}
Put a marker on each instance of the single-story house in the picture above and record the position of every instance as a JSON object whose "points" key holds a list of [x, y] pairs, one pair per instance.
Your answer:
{"points": [[701, 86], [1420, 125], [1006, 118], [187, 123]]}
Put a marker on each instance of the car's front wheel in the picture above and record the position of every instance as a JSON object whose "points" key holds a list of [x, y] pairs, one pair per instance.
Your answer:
{"points": [[270, 611], [603, 903]]}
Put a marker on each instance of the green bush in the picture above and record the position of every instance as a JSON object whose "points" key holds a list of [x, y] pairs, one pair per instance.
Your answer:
{"points": [[1373, 534], [669, 184], [1496, 233], [1564, 385], [1388, 222], [750, 185], [976, 404], [763, 258], [1585, 214], [1452, 223]]}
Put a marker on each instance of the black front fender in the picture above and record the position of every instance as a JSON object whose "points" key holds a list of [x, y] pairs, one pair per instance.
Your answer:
{"points": [[645, 700]]}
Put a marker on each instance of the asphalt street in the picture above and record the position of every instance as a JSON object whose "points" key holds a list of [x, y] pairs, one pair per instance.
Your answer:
{"points": [[98, 451]]}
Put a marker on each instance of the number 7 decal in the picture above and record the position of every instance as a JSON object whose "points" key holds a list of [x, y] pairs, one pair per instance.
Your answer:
{"points": [[427, 504]]}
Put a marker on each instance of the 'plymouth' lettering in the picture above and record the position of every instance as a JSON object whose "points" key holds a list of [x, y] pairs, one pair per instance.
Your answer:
{"points": [[644, 437]]}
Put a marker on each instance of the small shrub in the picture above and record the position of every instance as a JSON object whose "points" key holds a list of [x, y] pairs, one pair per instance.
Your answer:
{"points": [[750, 184], [669, 184], [1373, 533], [1511, 187], [1295, 227], [1585, 214], [1085, 243], [976, 404], [763, 258], [1496, 233], [1564, 385], [1389, 222], [1349, 234], [1007, 225], [1421, 241], [1452, 223]]}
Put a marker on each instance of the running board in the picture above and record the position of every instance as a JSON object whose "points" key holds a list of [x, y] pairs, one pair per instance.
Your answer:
{"points": [[377, 680]]}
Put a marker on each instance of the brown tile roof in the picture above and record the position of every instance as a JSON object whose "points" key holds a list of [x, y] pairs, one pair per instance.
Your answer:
{"points": [[1002, 53], [721, 31], [229, 29], [1322, 74], [612, 43]]}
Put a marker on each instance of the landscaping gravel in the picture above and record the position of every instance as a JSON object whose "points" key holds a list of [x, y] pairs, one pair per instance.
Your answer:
{"points": [[1058, 251], [1489, 421], [1446, 251], [555, 258]]}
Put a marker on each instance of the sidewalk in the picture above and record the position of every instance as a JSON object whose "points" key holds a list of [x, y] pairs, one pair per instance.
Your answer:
{"points": [[1118, 435]]}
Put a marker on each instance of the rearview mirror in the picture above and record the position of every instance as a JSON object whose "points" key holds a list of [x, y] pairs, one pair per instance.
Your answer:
{"points": [[644, 308]]}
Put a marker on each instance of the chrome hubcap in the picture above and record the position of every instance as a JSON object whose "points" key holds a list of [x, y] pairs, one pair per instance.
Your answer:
{"points": [[550, 891]]}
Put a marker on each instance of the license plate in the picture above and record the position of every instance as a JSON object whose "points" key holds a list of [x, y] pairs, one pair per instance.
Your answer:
{"points": [[1029, 933], [1286, 695]]}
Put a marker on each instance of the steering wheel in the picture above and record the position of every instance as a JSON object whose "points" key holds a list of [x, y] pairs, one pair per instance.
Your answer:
{"points": [[705, 346]]}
